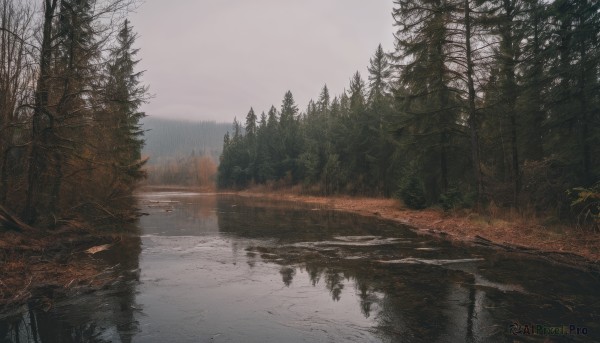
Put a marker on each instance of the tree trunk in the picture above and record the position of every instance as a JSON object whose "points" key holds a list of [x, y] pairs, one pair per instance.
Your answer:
{"points": [[36, 201], [472, 112], [509, 92]]}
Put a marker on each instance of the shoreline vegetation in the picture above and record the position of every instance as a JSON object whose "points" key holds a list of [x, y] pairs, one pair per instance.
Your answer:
{"points": [[495, 228], [506, 231]]}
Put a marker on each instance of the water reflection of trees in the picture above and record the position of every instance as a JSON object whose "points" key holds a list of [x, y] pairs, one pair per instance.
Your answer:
{"points": [[104, 316], [406, 302], [251, 218], [287, 275], [367, 296], [334, 283]]}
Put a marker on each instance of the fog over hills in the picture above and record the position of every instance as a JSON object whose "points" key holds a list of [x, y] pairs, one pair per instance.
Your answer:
{"points": [[170, 139]]}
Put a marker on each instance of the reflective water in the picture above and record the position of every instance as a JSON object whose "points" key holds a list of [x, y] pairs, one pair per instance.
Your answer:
{"points": [[212, 268]]}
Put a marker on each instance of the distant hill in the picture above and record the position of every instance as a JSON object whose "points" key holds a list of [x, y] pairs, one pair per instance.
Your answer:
{"points": [[168, 139]]}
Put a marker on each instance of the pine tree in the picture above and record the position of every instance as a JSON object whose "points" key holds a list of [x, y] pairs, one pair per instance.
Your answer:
{"points": [[126, 94], [428, 105], [505, 18], [289, 111], [574, 68], [272, 147], [250, 144], [290, 137], [360, 138], [379, 105], [379, 77], [251, 124], [534, 82], [264, 166], [225, 169], [324, 100], [468, 59], [263, 121]]}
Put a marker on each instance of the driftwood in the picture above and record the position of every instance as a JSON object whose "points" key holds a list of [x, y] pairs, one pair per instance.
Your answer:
{"points": [[10, 221], [98, 248]]}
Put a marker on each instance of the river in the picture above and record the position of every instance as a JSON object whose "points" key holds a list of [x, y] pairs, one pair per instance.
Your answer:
{"points": [[222, 268]]}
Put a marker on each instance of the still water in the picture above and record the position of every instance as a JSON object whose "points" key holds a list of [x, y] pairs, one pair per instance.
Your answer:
{"points": [[208, 268]]}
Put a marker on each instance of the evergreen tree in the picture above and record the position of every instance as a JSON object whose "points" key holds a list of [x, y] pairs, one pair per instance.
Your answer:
{"points": [[534, 82], [290, 137], [428, 105], [251, 124], [575, 62], [382, 147], [505, 21], [360, 137], [264, 164], [250, 144], [263, 121], [324, 100], [125, 94], [379, 77]]}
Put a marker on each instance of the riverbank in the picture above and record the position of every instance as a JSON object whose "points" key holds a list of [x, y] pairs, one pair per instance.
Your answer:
{"points": [[71, 260], [560, 244], [52, 264]]}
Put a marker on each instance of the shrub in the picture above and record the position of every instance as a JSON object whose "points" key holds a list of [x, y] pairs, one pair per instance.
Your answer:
{"points": [[544, 184], [451, 199], [412, 193], [586, 203]]}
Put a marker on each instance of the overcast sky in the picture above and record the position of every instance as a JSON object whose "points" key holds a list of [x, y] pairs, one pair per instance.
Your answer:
{"points": [[213, 59]]}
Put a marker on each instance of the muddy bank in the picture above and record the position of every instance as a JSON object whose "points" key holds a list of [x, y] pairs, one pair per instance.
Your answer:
{"points": [[53, 264], [561, 245]]}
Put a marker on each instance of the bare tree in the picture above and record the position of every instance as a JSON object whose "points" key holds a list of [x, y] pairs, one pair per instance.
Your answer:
{"points": [[16, 74]]}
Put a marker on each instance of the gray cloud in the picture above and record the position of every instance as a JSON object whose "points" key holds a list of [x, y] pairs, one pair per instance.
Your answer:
{"points": [[213, 59]]}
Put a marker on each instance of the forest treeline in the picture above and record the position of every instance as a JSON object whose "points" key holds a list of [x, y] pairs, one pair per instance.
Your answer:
{"points": [[70, 138], [480, 101]]}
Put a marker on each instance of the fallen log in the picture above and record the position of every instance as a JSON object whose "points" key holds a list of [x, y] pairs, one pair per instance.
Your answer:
{"points": [[12, 222]]}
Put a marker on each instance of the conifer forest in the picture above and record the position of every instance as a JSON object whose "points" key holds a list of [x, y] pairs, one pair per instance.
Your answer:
{"points": [[479, 102], [70, 138]]}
